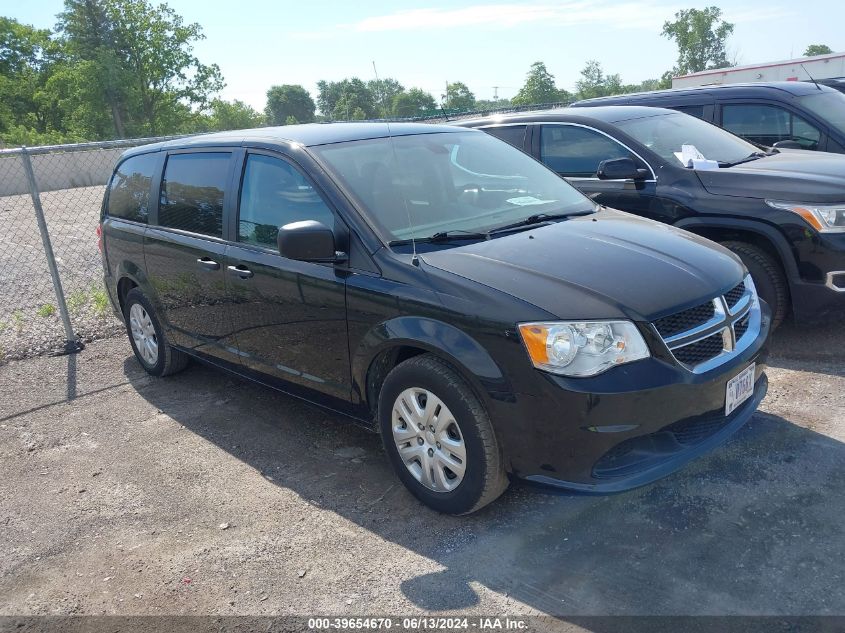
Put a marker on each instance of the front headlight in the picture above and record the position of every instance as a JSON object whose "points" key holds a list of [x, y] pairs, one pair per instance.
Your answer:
{"points": [[827, 218], [582, 348]]}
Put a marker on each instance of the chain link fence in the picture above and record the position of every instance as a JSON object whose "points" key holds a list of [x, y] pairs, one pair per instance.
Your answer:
{"points": [[51, 288]]}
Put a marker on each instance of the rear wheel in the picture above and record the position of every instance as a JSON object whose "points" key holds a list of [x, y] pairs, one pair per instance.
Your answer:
{"points": [[153, 351], [768, 278], [439, 438]]}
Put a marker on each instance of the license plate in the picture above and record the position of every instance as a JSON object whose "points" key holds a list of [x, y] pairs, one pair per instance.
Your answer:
{"points": [[740, 388]]}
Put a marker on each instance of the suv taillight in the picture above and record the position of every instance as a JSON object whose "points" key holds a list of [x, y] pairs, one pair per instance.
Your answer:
{"points": [[100, 237]]}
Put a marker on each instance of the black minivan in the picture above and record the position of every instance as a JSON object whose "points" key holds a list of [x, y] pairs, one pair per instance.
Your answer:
{"points": [[442, 287], [785, 114]]}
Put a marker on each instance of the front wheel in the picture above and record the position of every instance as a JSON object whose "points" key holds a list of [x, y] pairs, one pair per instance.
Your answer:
{"points": [[768, 278], [439, 438]]}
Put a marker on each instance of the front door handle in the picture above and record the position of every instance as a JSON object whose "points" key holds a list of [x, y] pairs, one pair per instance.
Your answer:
{"points": [[241, 271], [208, 264]]}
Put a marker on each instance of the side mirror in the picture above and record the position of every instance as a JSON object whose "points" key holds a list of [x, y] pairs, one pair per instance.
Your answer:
{"points": [[787, 144], [620, 169], [308, 241]]}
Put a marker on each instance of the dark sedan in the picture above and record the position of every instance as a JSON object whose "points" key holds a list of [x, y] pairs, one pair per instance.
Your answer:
{"points": [[783, 213]]}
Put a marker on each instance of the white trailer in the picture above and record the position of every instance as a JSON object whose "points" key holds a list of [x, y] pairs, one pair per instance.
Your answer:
{"points": [[819, 67]]}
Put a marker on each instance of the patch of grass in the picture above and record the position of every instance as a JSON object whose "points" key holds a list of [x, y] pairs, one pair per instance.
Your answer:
{"points": [[3, 326], [77, 300], [46, 310], [100, 302]]}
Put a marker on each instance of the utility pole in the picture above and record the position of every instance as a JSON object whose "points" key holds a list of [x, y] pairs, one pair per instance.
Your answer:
{"points": [[496, 93]]}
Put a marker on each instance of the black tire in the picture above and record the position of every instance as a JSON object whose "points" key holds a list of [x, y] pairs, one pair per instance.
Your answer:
{"points": [[484, 478], [169, 360], [768, 278]]}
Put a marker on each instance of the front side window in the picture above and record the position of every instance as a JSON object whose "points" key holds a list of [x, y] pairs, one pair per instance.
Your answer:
{"points": [[574, 151], [827, 106], [414, 186], [129, 190], [767, 125], [192, 192], [275, 193], [693, 110]]}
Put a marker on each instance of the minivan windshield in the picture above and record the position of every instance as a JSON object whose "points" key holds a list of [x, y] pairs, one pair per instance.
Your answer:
{"points": [[665, 134], [421, 185], [828, 106]]}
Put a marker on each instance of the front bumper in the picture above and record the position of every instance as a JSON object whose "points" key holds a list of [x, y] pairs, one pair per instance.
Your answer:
{"points": [[627, 427], [819, 301]]}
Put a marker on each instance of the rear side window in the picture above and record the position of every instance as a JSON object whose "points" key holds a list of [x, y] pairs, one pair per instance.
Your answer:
{"points": [[513, 134], [192, 192], [275, 193], [129, 191], [576, 151]]}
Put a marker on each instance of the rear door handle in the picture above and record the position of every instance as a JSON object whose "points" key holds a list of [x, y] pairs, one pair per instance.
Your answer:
{"points": [[208, 264], [241, 271]]}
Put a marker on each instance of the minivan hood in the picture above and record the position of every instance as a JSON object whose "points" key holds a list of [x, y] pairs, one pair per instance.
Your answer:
{"points": [[606, 265], [790, 175]]}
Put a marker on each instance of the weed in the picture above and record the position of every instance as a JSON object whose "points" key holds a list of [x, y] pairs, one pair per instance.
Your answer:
{"points": [[76, 300], [100, 302], [18, 319], [46, 310]]}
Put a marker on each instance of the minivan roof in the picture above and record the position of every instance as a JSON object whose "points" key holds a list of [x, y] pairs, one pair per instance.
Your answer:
{"points": [[791, 88], [307, 134]]}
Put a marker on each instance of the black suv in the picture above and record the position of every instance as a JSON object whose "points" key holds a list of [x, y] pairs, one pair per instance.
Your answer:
{"points": [[444, 288], [786, 114], [783, 213]]}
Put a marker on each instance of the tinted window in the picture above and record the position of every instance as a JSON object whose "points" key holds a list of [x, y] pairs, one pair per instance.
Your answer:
{"points": [[693, 110], [192, 192], [129, 191], [827, 106], [577, 151], [513, 134], [766, 125], [274, 193]]}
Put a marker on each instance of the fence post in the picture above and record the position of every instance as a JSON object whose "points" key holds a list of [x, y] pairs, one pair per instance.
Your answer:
{"points": [[72, 343]]}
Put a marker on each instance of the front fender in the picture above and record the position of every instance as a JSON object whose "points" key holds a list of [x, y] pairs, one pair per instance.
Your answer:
{"points": [[440, 338]]}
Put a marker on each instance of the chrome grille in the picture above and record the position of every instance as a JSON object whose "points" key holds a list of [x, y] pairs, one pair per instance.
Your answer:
{"points": [[707, 335]]}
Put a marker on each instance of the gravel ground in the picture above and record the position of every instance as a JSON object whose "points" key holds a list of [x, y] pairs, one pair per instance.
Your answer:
{"points": [[205, 494]]}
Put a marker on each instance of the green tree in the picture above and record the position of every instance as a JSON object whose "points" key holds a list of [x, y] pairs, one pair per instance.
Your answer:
{"points": [[384, 91], [150, 79], [339, 99], [233, 115], [594, 83], [539, 87], [700, 35], [289, 100], [414, 102], [817, 49], [458, 97], [29, 112]]}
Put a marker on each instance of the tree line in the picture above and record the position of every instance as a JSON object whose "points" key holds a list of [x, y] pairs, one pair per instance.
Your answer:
{"points": [[126, 69]]}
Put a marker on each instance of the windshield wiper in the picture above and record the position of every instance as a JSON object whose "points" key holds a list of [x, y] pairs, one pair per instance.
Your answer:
{"points": [[537, 218], [443, 236], [747, 159]]}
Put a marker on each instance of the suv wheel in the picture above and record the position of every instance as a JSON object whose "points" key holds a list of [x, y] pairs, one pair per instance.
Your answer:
{"points": [[151, 348], [768, 277], [439, 438]]}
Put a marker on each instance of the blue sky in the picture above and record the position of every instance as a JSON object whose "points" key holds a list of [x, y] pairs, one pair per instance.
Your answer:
{"points": [[259, 43]]}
